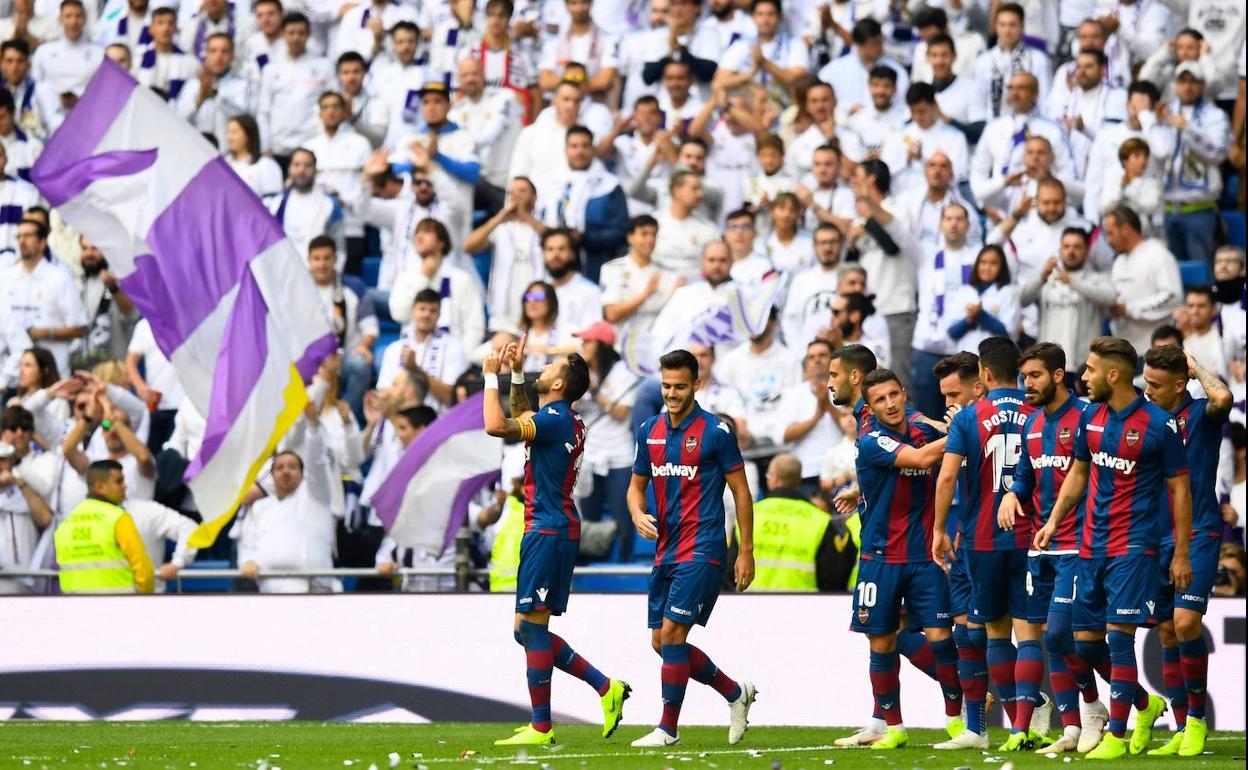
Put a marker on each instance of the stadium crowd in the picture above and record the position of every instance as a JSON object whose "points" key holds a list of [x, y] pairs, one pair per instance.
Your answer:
{"points": [[918, 176]]}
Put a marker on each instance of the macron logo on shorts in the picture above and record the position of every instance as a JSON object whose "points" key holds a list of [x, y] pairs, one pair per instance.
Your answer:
{"points": [[1106, 460], [671, 469]]}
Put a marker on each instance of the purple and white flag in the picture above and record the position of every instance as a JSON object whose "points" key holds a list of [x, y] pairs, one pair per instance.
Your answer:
{"points": [[450, 462], [229, 298]]}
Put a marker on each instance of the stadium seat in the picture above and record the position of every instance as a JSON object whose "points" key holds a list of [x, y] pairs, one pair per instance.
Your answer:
{"points": [[1194, 273], [372, 271], [610, 583], [1234, 228]]}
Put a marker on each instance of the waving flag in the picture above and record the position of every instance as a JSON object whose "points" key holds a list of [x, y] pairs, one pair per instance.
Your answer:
{"points": [[450, 462], [229, 299]]}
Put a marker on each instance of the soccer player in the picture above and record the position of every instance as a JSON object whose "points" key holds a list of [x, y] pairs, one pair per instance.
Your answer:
{"points": [[554, 439], [895, 461], [1048, 451], [1185, 660], [985, 443], [689, 454], [849, 367], [1138, 456]]}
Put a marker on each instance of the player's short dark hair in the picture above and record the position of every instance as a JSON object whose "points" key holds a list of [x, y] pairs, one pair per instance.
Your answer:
{"points": [[321, 242], [877, 168], [1167, 358], [878, 377], [1050, 355], [579, 130], [930, 17], [699, 141], [347, 57], [558, 232], [99, 471], [418, 416], [640, 221], [1013, 8], [865, 30], [646, 99], [920, 93], [883, 72], [1116, 348], [40, 228], [1095, 53], [1078, 231], [405, 26], [1166, 332], [1146, 87], [942, 38], [679, 359], [773, 3], [741, 213], [856, 358], [999, 355], [428, 297], [1203, 290], [965, 364], [429, 224], [1125, 215], [575, 377], [164, 10], [19, 417], [294, 17]]}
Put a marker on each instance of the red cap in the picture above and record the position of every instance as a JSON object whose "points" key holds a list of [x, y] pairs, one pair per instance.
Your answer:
{"points": [[599, 330]]}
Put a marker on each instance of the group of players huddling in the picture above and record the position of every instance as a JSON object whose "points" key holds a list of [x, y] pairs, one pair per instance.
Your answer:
{"points": [[1028, 514]]}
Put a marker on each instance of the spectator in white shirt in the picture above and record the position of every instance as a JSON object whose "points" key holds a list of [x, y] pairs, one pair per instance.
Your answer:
{"points": [[907, 151], [772, 180], [397, 81], [788, 247], [539, 150], [16, 196], [848, 74], [580, 299], [749, 264], [996, 67], [585, 43], [826, 127], [1089, 103], [638, 148], [774, 59], [304, 210], [692, 156], [715, 396], [124, 23], [214, 17], [264, 45], [17, 80], [713, 290], [1145, 276], [932, 22], [219, 93], [493, 117], [959, 96], [682, 233], [1201, 336], [41, 295], [1135, 186], [821, 193], [1073, 297], [242, 151], [463, 308], [341, 154], [1094, 36], [289, 88], [853, 323], [23, 510], [634, 289], [1034, 228], [761, 370], [1138, 27], [884, 116], [1221, 23], [355, 323], [1162, 66], [514, 238], [163, 66], [363, 28], [548, 334], [806, 419], [157, 385], [809, 299], [987, 304], [924, 206], [1103, 161], [366, 110], [429, 349], [62, 67], [120, 444], [683, 39]]}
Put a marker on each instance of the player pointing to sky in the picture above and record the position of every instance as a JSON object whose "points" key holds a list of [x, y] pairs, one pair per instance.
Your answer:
{"points": [[689, 454], [554, 439]]}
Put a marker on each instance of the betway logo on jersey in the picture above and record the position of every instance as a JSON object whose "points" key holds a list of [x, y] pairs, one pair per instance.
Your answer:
{"points": [[1106, 460], [671, 469], [1051, 461]]}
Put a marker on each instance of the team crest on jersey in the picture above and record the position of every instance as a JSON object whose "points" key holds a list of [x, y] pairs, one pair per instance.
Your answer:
{"points": [[1063, 437], [1183, 428], [864, 615], [1132, 436], [691, 444]]}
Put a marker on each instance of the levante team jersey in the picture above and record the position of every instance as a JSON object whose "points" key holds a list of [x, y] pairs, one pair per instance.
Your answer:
{"points": [[989, 434], [1048, 454], [554, 460], [1202, 438], [1130, 455], [687, 464], [900, 502]]}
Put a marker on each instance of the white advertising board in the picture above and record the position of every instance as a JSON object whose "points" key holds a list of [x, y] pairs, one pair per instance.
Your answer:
{"points": [[452, 657]]}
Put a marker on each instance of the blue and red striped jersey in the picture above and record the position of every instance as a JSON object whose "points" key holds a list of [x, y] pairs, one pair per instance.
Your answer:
{"points": [[900, 502], [688, 464], [1202, 438], [867, 422], [1048, 454], [553, 462], [989, 434], [1130, 454]]}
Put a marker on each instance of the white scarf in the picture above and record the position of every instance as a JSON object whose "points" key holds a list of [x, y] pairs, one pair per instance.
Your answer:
{"points": [[579, 188]]}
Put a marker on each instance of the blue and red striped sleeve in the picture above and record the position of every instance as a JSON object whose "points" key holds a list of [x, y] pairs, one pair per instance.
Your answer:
{"points": [[1173, 453]]}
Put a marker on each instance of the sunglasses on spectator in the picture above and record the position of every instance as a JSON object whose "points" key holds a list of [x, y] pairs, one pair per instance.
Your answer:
{"points": [[422, 182], [535, 296]]}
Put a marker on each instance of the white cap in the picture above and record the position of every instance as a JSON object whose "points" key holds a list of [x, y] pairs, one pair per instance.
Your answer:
{"points": [[1190, 68]]}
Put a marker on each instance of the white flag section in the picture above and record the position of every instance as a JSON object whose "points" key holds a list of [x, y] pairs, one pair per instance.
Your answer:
{"points": [[228, 297], [447, 464]]}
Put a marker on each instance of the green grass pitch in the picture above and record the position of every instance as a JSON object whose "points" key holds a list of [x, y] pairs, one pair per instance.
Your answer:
{"points": [[319, 746]]}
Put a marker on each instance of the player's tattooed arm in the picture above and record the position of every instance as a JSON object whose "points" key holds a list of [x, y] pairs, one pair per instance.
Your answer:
{"points": [[519, 427], [1073, 489], [1220, 398]]}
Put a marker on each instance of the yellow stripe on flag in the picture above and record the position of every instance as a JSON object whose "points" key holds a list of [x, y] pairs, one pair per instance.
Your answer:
{"points": [[296, 398]]}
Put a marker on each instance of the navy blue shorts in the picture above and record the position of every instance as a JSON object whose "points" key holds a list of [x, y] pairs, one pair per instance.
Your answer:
{"points": [[1115, 589], [882, 588], [998, 585], [1204, 557], [960, 591], [1050, 585], [544, 579], [684, 593]]}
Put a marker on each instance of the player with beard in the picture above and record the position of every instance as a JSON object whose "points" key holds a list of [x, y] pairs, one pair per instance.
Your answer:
{"points": [[1048, 450], [554, 439]]}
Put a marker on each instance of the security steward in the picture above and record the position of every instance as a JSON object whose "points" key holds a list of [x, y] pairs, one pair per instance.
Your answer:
{"points": [[794, 546], [98, 547]]}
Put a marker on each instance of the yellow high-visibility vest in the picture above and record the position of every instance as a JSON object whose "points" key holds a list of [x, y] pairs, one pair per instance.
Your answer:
{"points": [[505, 555], [787, 534], [91, 561]]}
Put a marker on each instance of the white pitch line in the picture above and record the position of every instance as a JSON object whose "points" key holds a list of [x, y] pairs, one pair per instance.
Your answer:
{"points": [[539, 755]]}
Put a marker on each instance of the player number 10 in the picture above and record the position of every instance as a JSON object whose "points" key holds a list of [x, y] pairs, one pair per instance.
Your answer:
{"points": [[866, 594], [1004, 450]]}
